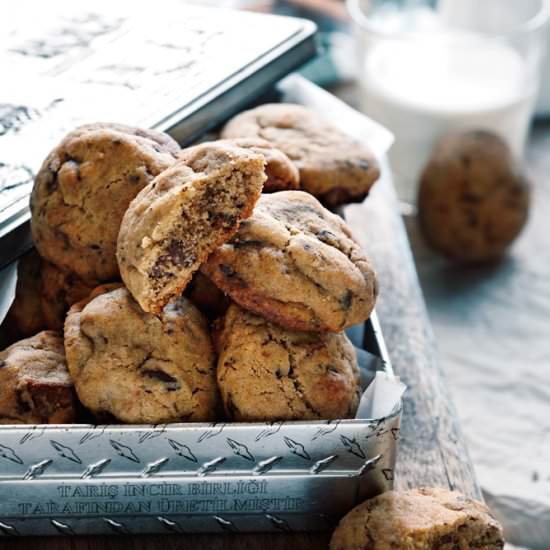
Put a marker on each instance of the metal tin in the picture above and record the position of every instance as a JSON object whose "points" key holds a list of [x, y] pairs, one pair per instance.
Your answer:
{"points": [[178, 478], [194, 477]]}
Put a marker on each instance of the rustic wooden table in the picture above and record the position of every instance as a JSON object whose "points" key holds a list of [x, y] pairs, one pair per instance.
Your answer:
{"points": [[431, 448]]}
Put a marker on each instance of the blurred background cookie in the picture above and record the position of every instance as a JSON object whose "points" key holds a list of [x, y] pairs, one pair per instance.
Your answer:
{"points": [[138, 367], [268, 373], [333, 167], [296, 264], [83, 189], [35, 386], [473, 201]]}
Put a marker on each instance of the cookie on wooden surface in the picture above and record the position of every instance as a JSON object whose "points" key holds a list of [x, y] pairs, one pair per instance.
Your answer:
{"points": [[472, 201], [419, 519]]}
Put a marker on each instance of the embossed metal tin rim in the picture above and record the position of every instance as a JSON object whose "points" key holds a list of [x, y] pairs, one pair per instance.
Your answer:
{"points": [[140, 427]]}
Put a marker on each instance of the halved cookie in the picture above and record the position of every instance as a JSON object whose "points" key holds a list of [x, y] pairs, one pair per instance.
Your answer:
{"points": [[187, 211]]}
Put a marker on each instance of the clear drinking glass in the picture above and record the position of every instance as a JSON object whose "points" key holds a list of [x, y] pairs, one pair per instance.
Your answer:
{"points": [[429, 69]]}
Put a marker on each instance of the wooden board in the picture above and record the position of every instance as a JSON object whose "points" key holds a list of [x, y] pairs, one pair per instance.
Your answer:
{"points": [[432, 451]]}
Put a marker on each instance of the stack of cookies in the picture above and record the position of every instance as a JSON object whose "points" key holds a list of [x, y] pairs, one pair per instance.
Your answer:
{"points": [[175, 285]]}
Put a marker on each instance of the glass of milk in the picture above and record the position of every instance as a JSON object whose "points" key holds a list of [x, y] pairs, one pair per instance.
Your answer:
{"points": [[426, 70]]}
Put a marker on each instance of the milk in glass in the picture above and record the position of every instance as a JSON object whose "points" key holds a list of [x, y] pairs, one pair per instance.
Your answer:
{"points": [[443, 81]]}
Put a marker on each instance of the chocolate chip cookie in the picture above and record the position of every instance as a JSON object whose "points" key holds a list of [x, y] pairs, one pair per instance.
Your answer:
{"points": [[173, 225], [420, 519], [268, 373], [296, 264], [473, 200], [333, 166], [83, 189], [281, 172], [25, 316], [137, 367], [35, 386]]}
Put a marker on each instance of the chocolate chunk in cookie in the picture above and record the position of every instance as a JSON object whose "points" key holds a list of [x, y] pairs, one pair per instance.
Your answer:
{"points": [[83, 189], [138, 367], [35, 386], [173, 225], [268, 373], [333, 167], [420, 519], [296, 264]]}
